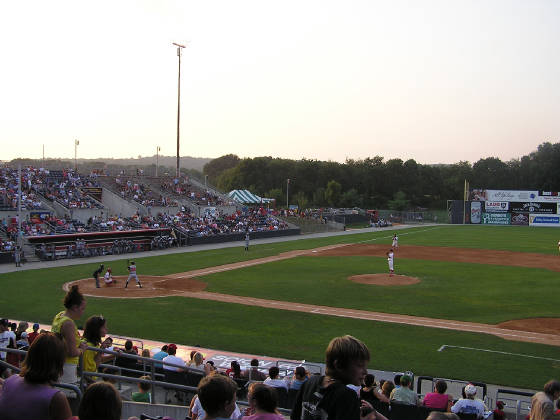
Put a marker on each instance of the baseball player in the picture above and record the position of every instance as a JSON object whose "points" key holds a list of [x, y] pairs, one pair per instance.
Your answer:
{"points": [[96, 274], [132, 275], [390, 261], [247, 240], [558, 246], [108, 278], [395, 243]]}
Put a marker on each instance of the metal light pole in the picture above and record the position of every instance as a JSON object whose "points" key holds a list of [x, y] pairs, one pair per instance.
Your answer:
{"points": [[287, 190], [206, 182], [157, 159], [179, 48], [76, 143]]}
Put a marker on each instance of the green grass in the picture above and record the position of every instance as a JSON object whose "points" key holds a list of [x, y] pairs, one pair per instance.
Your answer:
{"points": [[448, 290], [460, 291]]}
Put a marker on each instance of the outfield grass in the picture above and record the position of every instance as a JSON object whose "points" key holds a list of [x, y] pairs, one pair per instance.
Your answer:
{"points": [[459, 291]]}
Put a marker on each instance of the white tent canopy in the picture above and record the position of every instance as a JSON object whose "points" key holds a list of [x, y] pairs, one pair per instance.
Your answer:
{"points": [[247, 197]]}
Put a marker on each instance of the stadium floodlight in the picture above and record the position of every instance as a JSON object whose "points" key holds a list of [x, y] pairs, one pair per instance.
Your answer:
{"points": [[179, 48], [157, 159]]}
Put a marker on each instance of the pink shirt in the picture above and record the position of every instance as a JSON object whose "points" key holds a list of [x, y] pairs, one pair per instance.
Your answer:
{"points": [[436, 400]]}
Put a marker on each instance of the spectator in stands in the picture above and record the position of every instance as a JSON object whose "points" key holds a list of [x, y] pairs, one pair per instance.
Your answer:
{"points": [[254, 373], [31, 395], [439, 400], [262, 403], [370, 392], [94, 331], [235, 370], [299, 378], [129, 364], [542, 403], [404, 394], [160, 355], [273, 379], [63, 325], [198, 362], [346, 363], [472, 406], [21, 335], [143, 394], [172, 358], [217, 395], [33, 335], [498, 413], [101, 401]]}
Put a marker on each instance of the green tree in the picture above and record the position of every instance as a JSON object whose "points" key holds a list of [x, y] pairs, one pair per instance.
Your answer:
{"points": [[332, 193], [301, 200], [217, 166], [275, 193], [399, 202], [351, 198]]}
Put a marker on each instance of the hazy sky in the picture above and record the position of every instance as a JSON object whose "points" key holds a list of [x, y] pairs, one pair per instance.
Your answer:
{"points": [[436, 81]]}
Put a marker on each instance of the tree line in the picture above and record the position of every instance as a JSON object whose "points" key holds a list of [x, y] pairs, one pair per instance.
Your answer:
{"points": [[376, 183]]}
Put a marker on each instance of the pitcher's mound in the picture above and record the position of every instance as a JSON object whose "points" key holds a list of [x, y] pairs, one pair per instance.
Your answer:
{"points": [[384, 279]]}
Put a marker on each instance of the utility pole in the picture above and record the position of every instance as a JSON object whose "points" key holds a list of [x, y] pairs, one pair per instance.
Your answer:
{"points": [[287, 190], [179, 48], [157, 159], [76, 143]]}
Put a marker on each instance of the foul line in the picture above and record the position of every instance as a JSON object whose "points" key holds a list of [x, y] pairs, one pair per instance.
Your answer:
{"points": [[404, 233], [496, 351]]}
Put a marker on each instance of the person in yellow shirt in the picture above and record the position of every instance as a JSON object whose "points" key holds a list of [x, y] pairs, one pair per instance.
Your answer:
{"points": [[63, 325], [94, 331]]}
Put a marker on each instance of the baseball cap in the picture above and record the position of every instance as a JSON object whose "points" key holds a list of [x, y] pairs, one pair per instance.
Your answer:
{"points": [[35, 326], [500, 404], [470, 389], [172, 346]]}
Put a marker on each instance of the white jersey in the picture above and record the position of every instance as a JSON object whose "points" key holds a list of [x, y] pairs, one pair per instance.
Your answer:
{"points": [[132, 269], [390, 260], [395, 241], [108, 277]]}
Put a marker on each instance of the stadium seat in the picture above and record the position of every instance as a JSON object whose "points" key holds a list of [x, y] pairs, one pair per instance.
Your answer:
{"points": [[282, 394], [291, 399], [406, 412], [381, 407]]}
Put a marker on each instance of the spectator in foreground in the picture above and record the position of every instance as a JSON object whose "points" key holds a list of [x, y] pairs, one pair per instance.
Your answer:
{"points": [[63, 325], [370, 392], [469, 405], [273, 379], [262, 403], [346, 363], [299, 378], [143, 394], [439, 400], [542, 403], [101, 401], [254, 373], [171, 358], [387, 388], [404, 394], [217, 394], [498, 413], [31, 395], [94, 331]]}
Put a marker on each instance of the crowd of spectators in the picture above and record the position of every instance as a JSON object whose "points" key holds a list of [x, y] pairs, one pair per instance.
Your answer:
{"points": [[64, 186], [183, 188], [216, 223], [130, 189], [345, 391]]}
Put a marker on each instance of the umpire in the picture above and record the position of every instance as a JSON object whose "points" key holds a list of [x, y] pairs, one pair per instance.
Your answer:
{"points": [[96, 274]]}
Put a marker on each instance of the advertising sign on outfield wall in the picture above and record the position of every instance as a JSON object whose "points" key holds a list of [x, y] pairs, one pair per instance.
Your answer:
{"points": [[496, 218], [548, 196], [511, 195], [541, 220], [533, 207], [476, 212], [496, 206], [520, 219]]}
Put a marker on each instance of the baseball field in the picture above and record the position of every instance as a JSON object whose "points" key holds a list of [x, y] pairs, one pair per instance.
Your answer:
{"points": [[491, 291]]}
